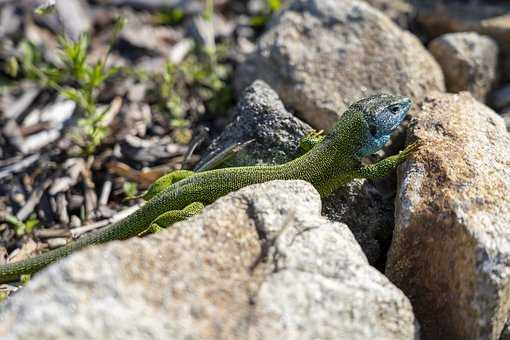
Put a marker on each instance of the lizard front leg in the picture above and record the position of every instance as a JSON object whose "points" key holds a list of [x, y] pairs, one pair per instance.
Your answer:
{"points": [[162, 183], [311, 139], [170, 217], [385, 166]]}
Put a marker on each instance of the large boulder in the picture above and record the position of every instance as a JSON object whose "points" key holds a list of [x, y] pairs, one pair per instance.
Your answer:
{"points": [[400, 11], [451, 245], [485, 17], [321, 55], [259, 263], [469, 61], [260, 118]]}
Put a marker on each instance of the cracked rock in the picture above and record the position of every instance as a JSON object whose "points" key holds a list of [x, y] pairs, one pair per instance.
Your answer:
{"points": [[260, 116], [322, 55], [255, 264], [451, 245]]}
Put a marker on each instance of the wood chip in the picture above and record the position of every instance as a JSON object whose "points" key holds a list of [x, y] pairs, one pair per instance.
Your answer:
{"points": [[105, 192], [32, 202], [61, 208], [52, 233], [15, 109], [56, 242], [27, 250]]}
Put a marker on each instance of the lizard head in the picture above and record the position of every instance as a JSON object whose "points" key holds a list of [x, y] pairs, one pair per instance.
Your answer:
{"points": [[383, 113]]}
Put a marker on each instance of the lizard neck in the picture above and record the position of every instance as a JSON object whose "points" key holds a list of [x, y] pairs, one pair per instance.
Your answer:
{"points": [[336, 157]]}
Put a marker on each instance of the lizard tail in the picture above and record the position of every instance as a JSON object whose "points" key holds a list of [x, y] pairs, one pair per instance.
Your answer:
{"points": [[130, 226]]}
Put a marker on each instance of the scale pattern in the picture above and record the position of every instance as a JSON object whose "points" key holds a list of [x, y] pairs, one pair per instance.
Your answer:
{"points": [[327, 166]]}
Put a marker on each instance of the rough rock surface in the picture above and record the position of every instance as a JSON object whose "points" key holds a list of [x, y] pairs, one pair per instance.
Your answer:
{"points": [[506, 118], [322, 279], [259, 116], [400, 11], [500, 98], [322, 55], [451, 244], [469, 62], [255, 264], [368, 213], [485, 17], [505, 335]]}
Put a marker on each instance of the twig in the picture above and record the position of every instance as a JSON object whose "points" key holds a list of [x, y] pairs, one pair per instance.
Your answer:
{"points": [[77, 232], [34, 199]]}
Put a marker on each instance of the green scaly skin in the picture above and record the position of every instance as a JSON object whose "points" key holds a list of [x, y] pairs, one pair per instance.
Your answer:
{"points": [[332, 162]]}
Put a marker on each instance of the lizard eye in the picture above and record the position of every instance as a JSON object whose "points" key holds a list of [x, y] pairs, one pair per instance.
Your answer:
{"points": [[395, 109]]}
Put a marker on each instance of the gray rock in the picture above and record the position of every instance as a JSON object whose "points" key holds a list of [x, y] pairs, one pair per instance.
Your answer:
{"points": [[500, 98], [321, 55], [319, 278], [451, 245], [402, 12], [369, 215], [255, 264], [469, 62], [485, 17], [260, 116]]}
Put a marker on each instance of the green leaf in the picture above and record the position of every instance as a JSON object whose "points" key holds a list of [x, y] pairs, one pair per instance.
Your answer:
{"points": [[12, 67], [45, 8], [120, 23], [73, 94], [18, 225], [129, 188], [25, 278], [258, 20], [172, 17], [31, 223], [274, 5], [179, 123], [3, 296], [208, 12]]}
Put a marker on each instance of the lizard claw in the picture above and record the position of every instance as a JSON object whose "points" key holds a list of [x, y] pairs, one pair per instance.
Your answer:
{"points": [[314, 134], [411, 148]]}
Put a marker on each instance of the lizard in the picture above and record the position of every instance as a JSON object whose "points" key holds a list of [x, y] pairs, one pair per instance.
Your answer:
{"points": [[329, 161]]}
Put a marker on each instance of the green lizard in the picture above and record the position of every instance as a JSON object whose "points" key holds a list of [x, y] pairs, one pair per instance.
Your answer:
{"points": [[330, 162]]}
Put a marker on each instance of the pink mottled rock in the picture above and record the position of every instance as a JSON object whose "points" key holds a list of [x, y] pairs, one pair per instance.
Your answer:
{"points": [[451, 245]]}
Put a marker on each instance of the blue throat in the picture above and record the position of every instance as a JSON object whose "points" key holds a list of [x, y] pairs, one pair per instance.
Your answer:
{"points": [[372, 145]]}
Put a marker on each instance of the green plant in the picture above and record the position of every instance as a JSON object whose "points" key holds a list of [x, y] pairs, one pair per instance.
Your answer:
{"points": [[197, 85], [129, 188], [3, 296], [208, 13], [261, 19], [76, 79], [21, 227], [170, 17]]}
